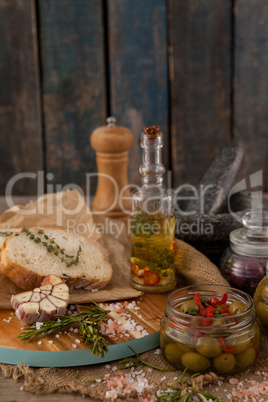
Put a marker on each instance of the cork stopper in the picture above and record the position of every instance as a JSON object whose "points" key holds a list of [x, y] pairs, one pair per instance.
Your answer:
{"points": [[152, 132]]}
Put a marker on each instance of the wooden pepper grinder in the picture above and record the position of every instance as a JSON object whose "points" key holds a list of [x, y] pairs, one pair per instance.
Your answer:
{"points": [[112, 144]]}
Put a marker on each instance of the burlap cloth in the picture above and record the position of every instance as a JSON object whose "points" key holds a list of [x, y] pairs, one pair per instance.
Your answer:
{"points": [[192, 268]]}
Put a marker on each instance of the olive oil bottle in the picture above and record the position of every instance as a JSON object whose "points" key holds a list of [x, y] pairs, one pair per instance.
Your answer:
{"points": [[153, 221]]}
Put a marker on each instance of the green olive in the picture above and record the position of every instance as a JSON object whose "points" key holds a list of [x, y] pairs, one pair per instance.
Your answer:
{"points": [[186, 348], [258, 291], [188, 306], [237, 307], [256, 339], [164, 340], [246, 358], [262, 313], [209, 347], [195, 362], [224, 363], [216, 321], [173, 353], [264, 292], [263, 329], [241, 343]]}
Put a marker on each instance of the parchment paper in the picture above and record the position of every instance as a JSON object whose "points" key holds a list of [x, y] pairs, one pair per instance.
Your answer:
{"points": [[68, 209]]}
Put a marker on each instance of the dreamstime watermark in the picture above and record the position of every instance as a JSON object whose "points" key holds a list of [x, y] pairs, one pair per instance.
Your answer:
{"points": [[190, 203]]}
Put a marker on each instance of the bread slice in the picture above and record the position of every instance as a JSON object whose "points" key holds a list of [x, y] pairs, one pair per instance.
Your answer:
{"points": [[7, 232], [27, 263]]}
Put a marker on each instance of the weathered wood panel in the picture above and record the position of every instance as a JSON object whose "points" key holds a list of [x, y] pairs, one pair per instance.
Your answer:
{"points": [[251, 84], [200, 73], [74, 87], [137, 38], [20, 126]]}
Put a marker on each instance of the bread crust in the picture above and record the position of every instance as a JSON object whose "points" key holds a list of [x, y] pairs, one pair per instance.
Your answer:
{"points": [[27, 279]]}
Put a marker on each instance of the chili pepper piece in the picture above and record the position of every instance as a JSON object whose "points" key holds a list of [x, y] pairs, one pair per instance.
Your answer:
{"points": [[224, 298], [214, 301], [197, 298], [226, 349], [210, 311], [202, 311], [151, 278]]}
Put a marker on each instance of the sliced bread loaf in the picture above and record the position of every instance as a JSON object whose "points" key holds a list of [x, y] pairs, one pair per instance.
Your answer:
{"points": [[29, 256], [7, 232]]}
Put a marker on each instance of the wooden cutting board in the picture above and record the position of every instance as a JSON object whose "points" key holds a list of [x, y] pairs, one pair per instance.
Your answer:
{"points": [[54, 351]]}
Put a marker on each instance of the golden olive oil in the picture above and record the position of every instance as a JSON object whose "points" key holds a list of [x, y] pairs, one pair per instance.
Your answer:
{"points": [[152, 253]]}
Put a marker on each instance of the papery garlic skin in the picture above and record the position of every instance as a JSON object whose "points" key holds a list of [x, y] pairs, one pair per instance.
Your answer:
{"points": [[42, 304]]}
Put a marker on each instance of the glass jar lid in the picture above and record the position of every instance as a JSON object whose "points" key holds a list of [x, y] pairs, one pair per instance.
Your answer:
{"points": [[252, 239]]}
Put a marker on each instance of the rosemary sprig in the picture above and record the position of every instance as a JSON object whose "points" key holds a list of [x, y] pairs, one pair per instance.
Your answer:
{"points": [[89, 321], [53, 247], [176, 395], [137, 361]]}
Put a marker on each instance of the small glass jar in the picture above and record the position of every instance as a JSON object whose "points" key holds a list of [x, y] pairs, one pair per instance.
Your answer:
{"points": [[261, 303], [225, 345], [243, 264]]}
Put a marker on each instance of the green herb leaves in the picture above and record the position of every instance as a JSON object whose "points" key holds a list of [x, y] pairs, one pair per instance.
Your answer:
{"points": [[6, 234], [89, 321], [53, 247], [137, 361]]}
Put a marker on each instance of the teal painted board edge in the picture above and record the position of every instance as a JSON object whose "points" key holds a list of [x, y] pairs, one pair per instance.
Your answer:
{"points": [[73, 358]]}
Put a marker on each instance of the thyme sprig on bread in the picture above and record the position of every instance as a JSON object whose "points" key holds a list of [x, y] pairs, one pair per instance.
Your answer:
{"points": [[53, 247], [6, 234]]}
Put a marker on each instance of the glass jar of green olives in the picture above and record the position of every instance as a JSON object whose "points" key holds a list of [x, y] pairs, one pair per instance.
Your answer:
{"points": [[225, 343], [261, 303]]}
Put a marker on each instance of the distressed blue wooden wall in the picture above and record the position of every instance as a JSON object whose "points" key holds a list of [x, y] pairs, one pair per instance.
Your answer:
{"points": [[198, 68]]}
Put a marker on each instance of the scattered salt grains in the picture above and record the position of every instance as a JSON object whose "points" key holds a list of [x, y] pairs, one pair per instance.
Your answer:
{"points": [[50, 342], [114, 368], [75, 330], [71, 329], [233, 381], [107, 366], [145, 332], [38, 325], [39, 342], [74, 345], [94, 290], [21, 388], [139, 328], [157, 351], [77, 341], [163, 378], [57, 336]]}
